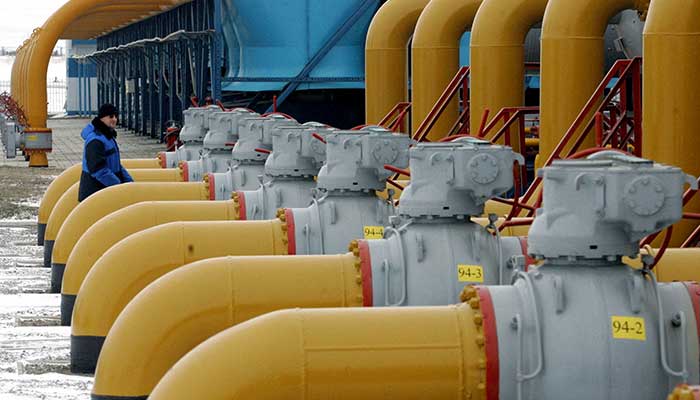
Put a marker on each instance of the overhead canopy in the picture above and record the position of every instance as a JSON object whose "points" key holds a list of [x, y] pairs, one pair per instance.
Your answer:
{"points": [[107, 18], [76, 19]]}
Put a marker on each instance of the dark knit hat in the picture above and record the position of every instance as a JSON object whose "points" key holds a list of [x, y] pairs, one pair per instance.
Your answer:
{"points": [[107, 110]]}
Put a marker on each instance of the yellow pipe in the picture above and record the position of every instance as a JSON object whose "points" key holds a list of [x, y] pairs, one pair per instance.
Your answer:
{"points": [[498, 57], [113, 198], [386, 56], [379, 353], [207, 297], [435, 53], [69, 177], [38, 59], [135, 262], [111, 229], [676, 265], [68, 201], [671, 99], [572, 62]]}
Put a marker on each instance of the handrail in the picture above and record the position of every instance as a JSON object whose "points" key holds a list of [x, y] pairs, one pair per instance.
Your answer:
{"points": [[460, 81], [394, 120], [622, 69]]}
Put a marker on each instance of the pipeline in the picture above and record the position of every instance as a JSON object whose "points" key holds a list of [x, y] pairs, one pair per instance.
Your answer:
{"points": [[427, 275], [120, 224], [289, 185], [95, 311], [435, 58], [107, 201], [507, 332], [69, 202], [497, 59], [349, 205], [386, 55], [65, 180]]}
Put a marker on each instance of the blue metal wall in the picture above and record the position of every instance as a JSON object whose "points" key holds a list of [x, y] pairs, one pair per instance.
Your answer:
{"points": [[268, 43]]}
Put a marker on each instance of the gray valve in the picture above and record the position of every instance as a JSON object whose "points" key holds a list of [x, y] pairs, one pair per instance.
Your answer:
{"points": [[602, 206], [256, 133], [450, 179], [356, 159], [298, 150]]}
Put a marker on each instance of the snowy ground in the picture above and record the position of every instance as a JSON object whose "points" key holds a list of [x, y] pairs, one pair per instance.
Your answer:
{"points": [[34, 349]]}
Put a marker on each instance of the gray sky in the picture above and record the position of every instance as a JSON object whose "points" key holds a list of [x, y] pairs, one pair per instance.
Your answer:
{"points": [[18, 18]]}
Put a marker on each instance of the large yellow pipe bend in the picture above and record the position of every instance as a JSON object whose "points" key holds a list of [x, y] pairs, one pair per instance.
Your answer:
{"points": [[111, 199], [386, 56], [202, 299], [435, 52], [68, 200], [38, 59], [120, 224], [498, 57], [343, 354], [671, 96], [70, 176], [572, 62], [135, 262]]}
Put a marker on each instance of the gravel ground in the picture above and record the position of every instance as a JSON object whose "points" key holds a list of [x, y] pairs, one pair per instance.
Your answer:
{"points": [[34, 350]]}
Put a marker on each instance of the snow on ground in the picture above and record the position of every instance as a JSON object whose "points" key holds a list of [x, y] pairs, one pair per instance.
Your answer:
{"points": [[34, 349]]}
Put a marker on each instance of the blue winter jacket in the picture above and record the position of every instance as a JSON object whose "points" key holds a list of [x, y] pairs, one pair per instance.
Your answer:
{"points": [[101, 164]]}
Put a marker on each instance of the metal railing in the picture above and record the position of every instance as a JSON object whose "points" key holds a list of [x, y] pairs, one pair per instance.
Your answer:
{"points": [[56, 94]]}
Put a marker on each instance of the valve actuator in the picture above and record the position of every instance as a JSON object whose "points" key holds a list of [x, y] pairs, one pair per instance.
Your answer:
{"points": [[298, 154]]}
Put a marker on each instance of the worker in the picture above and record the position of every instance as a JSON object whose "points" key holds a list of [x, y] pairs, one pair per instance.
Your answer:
{"points": [[101, 161]]}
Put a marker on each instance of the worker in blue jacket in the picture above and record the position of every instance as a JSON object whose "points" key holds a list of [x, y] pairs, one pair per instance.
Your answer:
{"points": [[101, 162]]}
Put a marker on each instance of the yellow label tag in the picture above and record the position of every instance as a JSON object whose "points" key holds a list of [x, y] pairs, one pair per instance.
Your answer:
{"points": [[31, 138], [374, 232], [470, 273], [631, 328]]}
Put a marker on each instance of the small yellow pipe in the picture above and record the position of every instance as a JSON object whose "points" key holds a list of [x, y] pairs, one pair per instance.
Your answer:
{"points": [[498, 57], [386, 56], [135, 262], [676, 265], [202, 299], [379, 353], [671, 96], [71, 175], [572, 62], [68, 201], [435, 53], [117, 226], [111, 199]]}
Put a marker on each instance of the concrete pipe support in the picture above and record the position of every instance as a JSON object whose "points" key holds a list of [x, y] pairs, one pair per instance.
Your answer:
{"points": [[68, 201], [211, 296], [120, 224], [386, 56], [107, 201], [151, 254], [65, 180], [435, 58]]}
